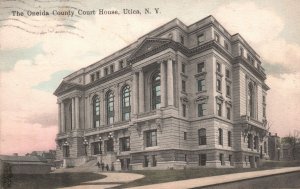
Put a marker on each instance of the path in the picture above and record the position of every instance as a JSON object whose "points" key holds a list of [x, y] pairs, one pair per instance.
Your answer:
{"points": [[214, 180]]}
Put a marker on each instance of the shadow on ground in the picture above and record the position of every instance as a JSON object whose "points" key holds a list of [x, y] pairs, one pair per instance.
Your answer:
{"points": [[53, 180]]}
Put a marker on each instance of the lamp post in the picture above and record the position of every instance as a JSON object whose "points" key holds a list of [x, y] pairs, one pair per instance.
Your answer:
{"points": [[278, 153], [85, 143], [66, 148], [100, 146], [110, 139]]}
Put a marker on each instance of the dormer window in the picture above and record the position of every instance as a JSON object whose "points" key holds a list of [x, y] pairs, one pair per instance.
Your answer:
{"points": [[105, 71], [111, 67], [121, 64], [92, 77], [97, 75], [200, 38], [217, 38], [226, 45], [181, 39]]}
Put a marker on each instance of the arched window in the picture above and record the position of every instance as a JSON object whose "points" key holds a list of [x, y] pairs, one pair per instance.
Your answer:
{"points": [[96, 112], [155, 89], [250, 141], [110, 107], [255, 143], [126, 107], [251, 99], [220, 136], [202, 136]]}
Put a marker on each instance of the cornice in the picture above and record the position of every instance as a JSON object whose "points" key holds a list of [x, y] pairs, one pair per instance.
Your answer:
{"points": [[255, 71]]}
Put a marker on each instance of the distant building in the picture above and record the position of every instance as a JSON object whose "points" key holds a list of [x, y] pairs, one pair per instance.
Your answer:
{"points": [[274, 147], [180, 96], [49, 156], [25, 164]]}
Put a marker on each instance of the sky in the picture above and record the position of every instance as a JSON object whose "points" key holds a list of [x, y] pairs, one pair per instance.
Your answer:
{"points": [[37, 52]]}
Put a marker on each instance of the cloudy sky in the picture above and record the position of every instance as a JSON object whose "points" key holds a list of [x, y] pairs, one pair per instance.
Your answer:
{"points": [[36, 52]]}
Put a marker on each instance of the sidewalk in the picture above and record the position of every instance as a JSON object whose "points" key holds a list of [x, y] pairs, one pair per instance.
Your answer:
{"points": [[214, 180]]}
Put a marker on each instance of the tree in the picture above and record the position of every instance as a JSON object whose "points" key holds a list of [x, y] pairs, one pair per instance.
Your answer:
{"points": [[292, 141]]}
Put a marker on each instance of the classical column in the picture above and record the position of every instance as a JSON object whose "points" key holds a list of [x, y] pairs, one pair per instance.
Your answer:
{"points": [[59, 118], [76, 112], [135, 93], [73, 113], [141, 91], [170, 83], [102, 109], [163, 83], [62, 117]]}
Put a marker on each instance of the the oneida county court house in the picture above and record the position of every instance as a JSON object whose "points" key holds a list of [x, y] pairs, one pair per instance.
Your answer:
{"points": [[180, 96]]}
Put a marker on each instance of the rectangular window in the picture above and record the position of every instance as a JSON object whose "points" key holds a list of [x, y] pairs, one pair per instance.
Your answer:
{"points": [[202, 159], [97, 75], [202, 136], [228, 113], [220, 137], [265, 147], [227, 74], [264, 111], [219, 109], [228, 90], [184, 110], [241, 51], [200, 67], [219, 86], [264, 99], [111, 68], [218, 67], [109, 145], [183, 68], [201, 85], [183, 86], [154, 162], [217, 37], [201, 110], [124, 144], [146, 161], [184, 135], [121, 64], [229, 138], [92, 77], [151, 138], [181, 39], [222, 159], [200, 38], [105, 71]]}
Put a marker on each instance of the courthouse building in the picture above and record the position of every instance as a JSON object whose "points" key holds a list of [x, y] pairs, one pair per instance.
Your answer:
{"points": [[180, 96]]}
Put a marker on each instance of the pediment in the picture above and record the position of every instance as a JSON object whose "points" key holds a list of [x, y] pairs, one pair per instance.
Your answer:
{"points": [[65, 86], [147, 46]]}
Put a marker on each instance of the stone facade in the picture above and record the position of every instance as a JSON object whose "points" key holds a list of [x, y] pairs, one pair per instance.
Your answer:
{"points": [[197, 98]]}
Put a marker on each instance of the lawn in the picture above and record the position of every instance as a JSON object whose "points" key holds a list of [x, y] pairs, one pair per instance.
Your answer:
{"points": [[52, 180], [160, 176]]}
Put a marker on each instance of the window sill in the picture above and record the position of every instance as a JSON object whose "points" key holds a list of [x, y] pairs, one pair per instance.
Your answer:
{"points": [[152, 148], [200, 74], [200, 92]]}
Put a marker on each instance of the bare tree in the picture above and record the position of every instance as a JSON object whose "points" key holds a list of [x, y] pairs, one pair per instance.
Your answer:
{"points": [[292, 140]]}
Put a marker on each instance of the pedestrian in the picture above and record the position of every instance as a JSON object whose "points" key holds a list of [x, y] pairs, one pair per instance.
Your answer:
{"points": [[98, 165], [107, 167], [102, 166], [112, 167]]}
